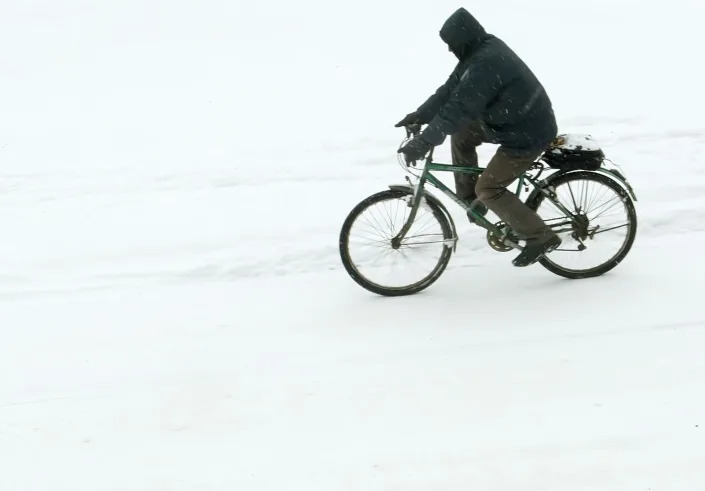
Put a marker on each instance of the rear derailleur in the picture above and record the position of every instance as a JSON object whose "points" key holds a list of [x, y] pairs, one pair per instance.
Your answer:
{"points": [[581, 230]]}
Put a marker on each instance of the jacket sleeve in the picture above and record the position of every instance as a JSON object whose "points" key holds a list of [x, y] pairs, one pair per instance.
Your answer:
{"points": [[477, 86], [433, 104]]}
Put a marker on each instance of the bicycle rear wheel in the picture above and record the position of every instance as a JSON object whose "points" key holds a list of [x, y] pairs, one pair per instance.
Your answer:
{"points": [[366, 244], [601, 231]]}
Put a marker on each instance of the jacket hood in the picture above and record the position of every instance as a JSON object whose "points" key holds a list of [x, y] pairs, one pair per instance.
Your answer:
{"points": [[462, 33]]}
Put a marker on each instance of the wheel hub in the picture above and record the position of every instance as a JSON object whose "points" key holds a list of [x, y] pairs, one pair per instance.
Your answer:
{"points": [[580, 226]]}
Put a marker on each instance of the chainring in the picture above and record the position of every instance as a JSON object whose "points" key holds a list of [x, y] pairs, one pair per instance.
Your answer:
{"points": [[497, 243]]}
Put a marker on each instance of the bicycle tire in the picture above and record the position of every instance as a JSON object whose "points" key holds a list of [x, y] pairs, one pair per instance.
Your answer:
{"points": [[535, 201], [372, 286]]}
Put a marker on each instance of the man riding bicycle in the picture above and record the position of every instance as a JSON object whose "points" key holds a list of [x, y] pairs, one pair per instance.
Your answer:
{"points": [[490, 97]]}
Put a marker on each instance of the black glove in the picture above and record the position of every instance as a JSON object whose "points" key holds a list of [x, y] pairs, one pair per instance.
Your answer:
{"points": [[415, 149], [411, 118]]}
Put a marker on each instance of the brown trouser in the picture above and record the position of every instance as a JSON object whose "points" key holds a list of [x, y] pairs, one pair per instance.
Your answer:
{"points": [[491, 187]]}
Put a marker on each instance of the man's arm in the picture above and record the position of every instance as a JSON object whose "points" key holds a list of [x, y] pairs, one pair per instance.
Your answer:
{"points": [[477, 85], [433, 104]]}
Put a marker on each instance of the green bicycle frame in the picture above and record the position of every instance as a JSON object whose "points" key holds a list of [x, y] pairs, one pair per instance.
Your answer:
{"points": [[427, 176]]}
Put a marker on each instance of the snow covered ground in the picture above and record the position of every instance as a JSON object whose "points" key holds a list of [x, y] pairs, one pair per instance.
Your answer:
{"points": [[174, 313]]}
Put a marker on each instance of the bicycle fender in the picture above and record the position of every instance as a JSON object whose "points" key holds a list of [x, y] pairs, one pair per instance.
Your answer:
{"points": [[613, 174], [621, 179], [431, 198]]}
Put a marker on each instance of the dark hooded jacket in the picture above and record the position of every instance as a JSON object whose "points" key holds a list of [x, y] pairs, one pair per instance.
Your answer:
{"points": [[492, 84]]}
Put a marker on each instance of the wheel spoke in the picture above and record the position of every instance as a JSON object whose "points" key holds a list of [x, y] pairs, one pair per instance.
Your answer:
{"points": [[572, 196], [603, 230]]}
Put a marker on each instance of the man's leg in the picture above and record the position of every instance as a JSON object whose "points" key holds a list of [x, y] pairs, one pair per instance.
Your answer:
{"points": [[463, 147], [463, 152], [492, 190]]}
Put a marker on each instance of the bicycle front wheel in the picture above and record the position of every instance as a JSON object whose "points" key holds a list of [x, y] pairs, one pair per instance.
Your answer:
{"points": [[601, 230], [369, 257]]}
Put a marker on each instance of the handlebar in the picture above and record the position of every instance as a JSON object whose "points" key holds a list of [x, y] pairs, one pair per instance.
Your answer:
{"points": [[412, 131]]}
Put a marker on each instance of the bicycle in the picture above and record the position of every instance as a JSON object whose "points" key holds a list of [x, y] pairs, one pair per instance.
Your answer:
{"points": [[575, 161]]}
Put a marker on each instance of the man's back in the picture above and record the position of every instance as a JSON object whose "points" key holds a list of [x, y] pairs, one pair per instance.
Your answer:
{"points": [[520, 103]]}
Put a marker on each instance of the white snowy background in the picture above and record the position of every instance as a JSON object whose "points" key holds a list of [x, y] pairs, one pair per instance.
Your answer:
{"points": [[173, 311]]}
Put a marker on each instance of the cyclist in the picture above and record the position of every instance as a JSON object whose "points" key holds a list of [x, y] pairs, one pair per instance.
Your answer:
{"points": [[491, 96]]}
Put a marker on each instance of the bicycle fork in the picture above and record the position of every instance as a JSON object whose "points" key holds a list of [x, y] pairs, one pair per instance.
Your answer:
{"points": [[416, 198]]}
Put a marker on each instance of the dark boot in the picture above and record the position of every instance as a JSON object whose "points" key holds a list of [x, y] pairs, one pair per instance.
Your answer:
{"points": [[535, 250]]}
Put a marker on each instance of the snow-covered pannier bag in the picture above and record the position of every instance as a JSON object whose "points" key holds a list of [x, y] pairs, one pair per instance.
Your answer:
{"points": [[573, 152]]}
